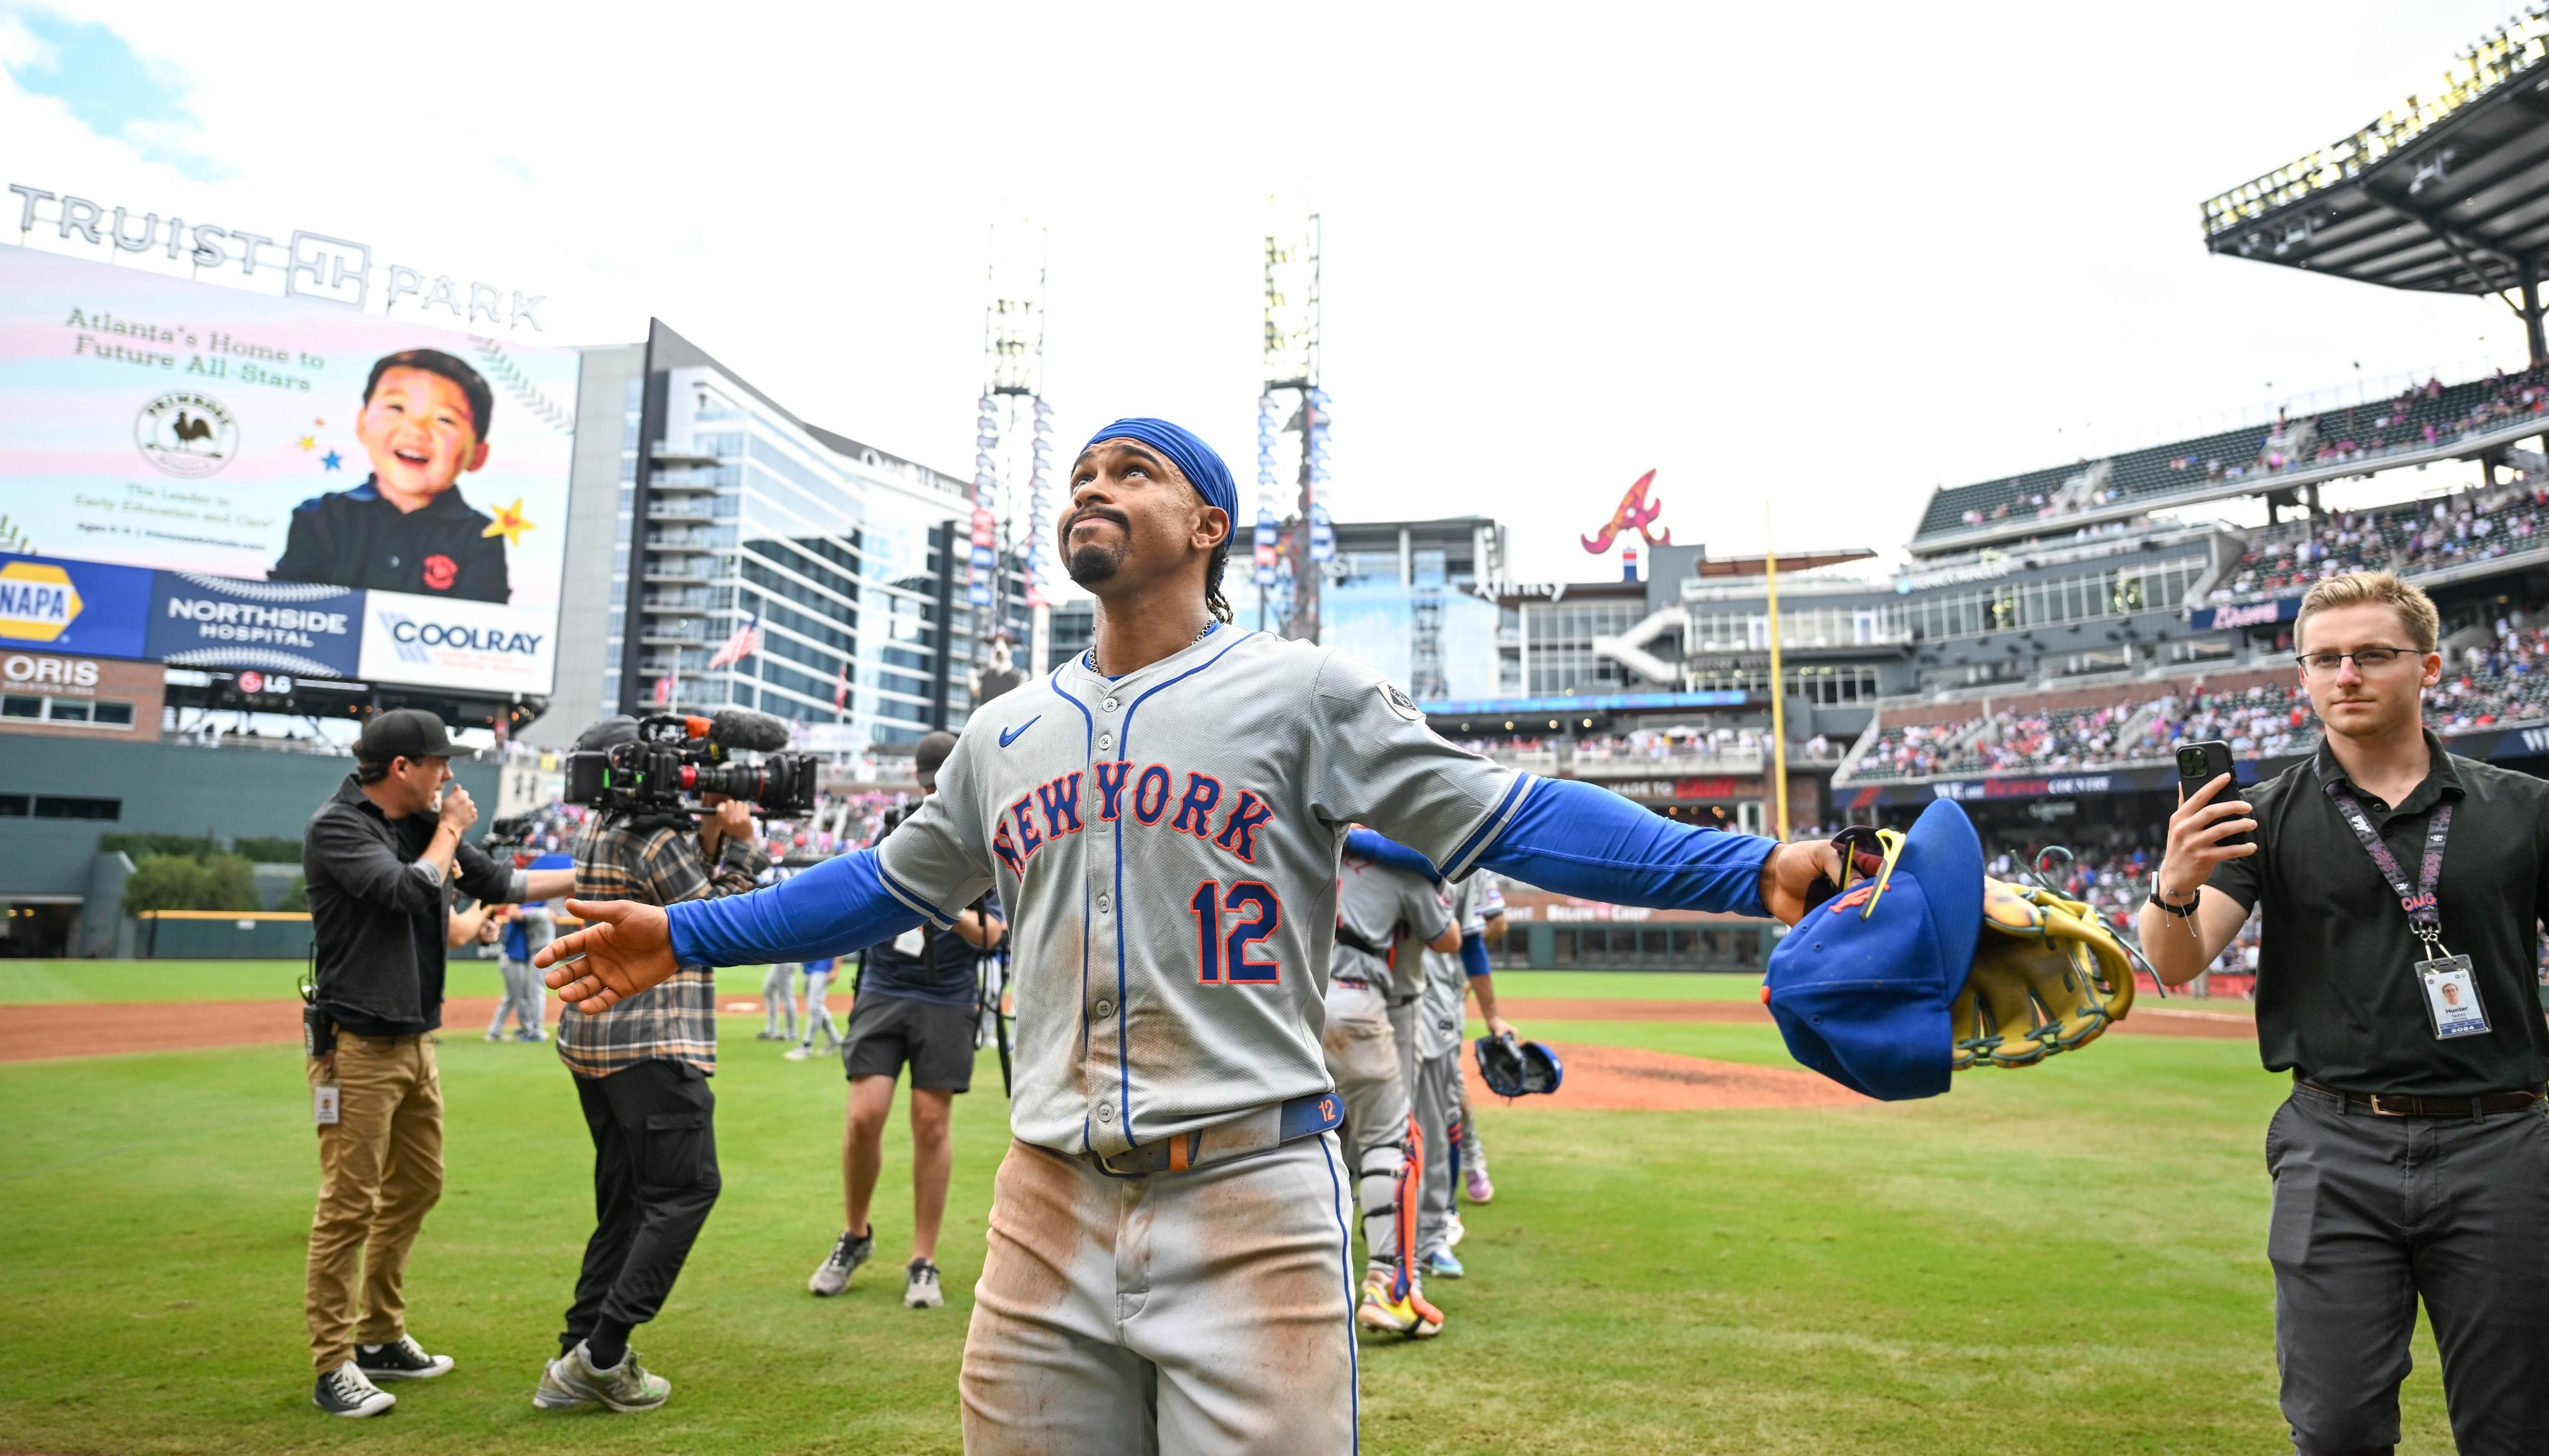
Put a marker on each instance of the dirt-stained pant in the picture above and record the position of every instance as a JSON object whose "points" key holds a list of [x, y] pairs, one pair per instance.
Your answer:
{"points": [[380, 1169], [1360, 1047], [1436, 1102], [1210, 1311]]}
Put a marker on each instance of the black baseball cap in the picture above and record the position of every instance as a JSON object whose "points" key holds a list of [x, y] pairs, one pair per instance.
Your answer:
{"points": [[928, 753], [403, 733]]}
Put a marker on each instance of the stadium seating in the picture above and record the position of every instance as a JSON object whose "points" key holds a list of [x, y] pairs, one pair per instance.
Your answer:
{"points": [[2431, 414], [2409, 538]]}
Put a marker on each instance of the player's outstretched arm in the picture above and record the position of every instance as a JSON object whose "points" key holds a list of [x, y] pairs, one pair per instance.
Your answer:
{"points": [[1576, 838], [839, 906], [625, 947]]}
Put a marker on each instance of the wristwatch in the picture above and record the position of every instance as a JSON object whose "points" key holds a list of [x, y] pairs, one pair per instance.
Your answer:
{"points": [[2185, 911]]}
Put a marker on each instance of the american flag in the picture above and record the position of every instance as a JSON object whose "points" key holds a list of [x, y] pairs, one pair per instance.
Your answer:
{"points": [[745, 643]]}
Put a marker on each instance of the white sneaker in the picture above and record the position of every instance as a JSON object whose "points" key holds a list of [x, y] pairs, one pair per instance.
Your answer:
{"points": [[798, 1054], [1452, 1230], [921, 1286], [344, 1390]]}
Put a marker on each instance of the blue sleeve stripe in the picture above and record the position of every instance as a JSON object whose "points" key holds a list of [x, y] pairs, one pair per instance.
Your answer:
{"points": [[1485, 835], [926, 910]]}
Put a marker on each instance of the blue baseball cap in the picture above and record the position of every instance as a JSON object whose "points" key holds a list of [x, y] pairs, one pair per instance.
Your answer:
{"points": [[1860, 988]]}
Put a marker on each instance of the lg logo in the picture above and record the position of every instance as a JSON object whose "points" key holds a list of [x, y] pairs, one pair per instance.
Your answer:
{"points": [[21, 670]]}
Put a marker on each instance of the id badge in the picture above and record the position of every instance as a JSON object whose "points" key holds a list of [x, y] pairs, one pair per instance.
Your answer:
{"points": [[326, 1105], [2451, 997]]}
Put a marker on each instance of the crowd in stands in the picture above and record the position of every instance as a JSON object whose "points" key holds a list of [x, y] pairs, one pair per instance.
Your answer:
{"points": [[2409, 538], [1643, 745]]}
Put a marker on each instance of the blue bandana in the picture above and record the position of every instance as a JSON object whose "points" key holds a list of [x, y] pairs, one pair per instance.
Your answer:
{"points": [[1203, 467]]}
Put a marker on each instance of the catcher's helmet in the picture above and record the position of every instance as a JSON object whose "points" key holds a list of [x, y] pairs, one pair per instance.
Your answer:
{"points": [[1512, 1069], [1862, 987]]}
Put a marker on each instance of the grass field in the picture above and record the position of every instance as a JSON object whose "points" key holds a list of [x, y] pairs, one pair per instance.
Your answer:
{"points": [[2068, 1260]]}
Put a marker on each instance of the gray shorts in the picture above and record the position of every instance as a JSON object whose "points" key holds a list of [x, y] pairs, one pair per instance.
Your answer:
{"points": [[886, 1031]]}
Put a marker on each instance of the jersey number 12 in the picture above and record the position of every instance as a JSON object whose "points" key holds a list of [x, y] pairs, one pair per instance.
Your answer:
{"points": [[1223, 952]]}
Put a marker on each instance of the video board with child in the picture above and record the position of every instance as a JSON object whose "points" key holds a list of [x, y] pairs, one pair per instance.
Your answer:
{"points": [[289, 486]]}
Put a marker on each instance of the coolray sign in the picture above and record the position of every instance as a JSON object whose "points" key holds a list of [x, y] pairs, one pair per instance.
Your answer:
{"points": [[2245, 614], [446, 643], [300, 628], [332, 270], [72, 605]]}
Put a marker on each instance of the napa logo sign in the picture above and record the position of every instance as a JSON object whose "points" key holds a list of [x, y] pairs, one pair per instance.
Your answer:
{"points": [[37, 602], [76, 606]]}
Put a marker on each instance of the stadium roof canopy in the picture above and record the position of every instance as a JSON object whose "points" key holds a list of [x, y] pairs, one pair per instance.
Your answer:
{"points": [[2448, 194]]}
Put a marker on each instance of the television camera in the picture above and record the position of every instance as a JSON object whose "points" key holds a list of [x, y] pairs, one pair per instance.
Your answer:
{"points": [[668, 759]]}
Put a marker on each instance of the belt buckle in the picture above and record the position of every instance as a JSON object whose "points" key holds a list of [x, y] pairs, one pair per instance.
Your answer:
{"points": [[2379, 1111]]}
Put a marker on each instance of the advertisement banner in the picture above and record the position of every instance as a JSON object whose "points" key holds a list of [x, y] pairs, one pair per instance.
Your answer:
{"points": [[298, 628], [195, 429], [74, 606], [453, 644], [2245, 614]]}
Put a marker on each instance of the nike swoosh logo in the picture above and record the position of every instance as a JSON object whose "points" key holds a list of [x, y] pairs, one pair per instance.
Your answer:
{"points": [[1010, 734]]}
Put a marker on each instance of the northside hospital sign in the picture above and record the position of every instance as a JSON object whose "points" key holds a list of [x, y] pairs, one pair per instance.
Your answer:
{"points": [[329, 270]]}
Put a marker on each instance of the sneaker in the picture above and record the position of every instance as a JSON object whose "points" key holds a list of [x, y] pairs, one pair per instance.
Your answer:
{"points": [[1454, 1231], [1409, 1314], [799, 1053], [921, 1286], [570, 1379], [344, 1392], [401, 1359], [848, 1252], [1481, 1190], [765, 1034], [494, 1037], [1440, 1264], [532, 1037]]}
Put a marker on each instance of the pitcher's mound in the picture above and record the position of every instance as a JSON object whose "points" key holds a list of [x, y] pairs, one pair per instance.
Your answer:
{"points": [[1624, 1078]]}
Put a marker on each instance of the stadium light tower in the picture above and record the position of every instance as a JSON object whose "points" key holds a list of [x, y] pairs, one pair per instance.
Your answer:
{"points": [[1012, 421], [1292, 555]]}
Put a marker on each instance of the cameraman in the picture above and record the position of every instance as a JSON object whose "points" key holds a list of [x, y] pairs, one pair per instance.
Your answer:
{"points": [[641, 1072], [380, 859], [2400, 891]]}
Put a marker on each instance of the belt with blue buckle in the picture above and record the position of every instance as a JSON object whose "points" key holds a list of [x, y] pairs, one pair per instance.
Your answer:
{"points": [[1262, 1130]]}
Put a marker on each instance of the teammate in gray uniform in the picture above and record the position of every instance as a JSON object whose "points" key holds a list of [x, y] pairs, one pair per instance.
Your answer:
{"points": [[1169, 1263], [1366, 1058], [779, 1001], [1436, 1093]]}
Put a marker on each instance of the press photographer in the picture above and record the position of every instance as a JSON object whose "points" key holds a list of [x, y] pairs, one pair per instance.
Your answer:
{"points": [[381, 859], [2400, 891], [673, 822]]}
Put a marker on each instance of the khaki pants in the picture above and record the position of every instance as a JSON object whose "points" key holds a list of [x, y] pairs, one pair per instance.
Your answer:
{"points": [[380, 1168]]}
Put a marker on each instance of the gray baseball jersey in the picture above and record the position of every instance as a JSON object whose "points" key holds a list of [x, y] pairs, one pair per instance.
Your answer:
{"points": [[1446, 981], [1169, 841], [1376, 905]]}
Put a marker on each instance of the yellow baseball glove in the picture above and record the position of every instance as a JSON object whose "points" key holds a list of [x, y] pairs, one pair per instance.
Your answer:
{"points": [[2048, 977]]}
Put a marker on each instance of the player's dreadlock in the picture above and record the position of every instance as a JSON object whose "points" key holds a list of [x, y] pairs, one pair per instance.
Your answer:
{"points": [[1213, 600]]}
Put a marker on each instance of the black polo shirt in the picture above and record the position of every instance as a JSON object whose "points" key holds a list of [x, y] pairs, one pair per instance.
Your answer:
{"points": [[2338, 997], [355, 538], [377, 920]]}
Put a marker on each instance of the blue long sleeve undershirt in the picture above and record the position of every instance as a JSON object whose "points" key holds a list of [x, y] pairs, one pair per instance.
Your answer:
{"points": [[1568, 836]]}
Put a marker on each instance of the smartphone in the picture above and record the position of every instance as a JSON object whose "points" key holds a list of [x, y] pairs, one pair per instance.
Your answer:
{"points": [[2199, 764]]}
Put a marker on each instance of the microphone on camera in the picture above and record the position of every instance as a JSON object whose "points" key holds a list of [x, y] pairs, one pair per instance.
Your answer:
{"points": [[745, 729]]}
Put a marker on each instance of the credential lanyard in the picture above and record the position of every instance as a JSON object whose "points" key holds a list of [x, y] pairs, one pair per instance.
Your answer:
{"points": [[2424, 909]]}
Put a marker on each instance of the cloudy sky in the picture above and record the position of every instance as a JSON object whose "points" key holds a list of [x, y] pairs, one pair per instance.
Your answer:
{"points": [[1827, 257]]}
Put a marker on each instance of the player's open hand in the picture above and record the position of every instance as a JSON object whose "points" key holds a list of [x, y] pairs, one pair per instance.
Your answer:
{"points": [[1789, 875], [626, 948]]}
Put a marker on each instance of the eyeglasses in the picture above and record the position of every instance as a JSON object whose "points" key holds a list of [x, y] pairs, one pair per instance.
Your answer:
{"points": [[2366, 660]]}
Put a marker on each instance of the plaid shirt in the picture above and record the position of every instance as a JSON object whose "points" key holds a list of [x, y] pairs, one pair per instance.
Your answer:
{"points": [[676, 1020]]}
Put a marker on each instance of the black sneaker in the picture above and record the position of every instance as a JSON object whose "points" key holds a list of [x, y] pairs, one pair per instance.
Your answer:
{"points": [[401, 1359], [344, 1392], [921, 1286], [848, 1252]]}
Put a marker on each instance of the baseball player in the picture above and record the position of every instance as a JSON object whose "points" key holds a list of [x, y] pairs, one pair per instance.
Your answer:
{"points": [[1362, 1048], [779, 1002], [1170, 1264], [525, 930], [818, 1016]]}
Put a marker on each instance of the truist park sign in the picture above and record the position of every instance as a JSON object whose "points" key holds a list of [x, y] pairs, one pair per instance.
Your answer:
{"points": [[332, 270]]}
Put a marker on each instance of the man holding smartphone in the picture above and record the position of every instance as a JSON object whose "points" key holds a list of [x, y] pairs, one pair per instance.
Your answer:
{"points": [[2400, 891]]}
